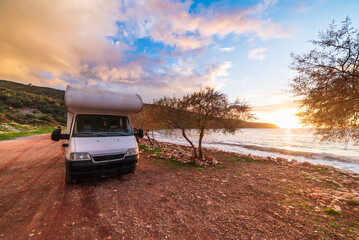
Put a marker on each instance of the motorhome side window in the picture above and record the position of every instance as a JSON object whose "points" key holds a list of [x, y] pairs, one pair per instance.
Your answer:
{"points": [[101, 125]]}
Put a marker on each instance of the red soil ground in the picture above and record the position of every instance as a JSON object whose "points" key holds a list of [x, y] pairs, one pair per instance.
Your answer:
{"points": [[241, 199]]}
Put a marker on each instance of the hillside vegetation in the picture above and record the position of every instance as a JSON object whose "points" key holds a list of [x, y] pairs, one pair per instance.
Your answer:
{"points": [[49, 101], [16, 98]]}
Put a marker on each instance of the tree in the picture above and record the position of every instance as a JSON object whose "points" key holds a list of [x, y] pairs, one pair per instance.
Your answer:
{"points": [[202, 110], [327, 84], [172, 113], [145, 121]]}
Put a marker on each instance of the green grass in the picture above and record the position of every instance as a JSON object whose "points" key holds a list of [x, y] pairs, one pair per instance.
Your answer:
{"points": [[334, 225], [228, 158], [287, 190], [347, 230], [329, 183], [314, 218], [142, 147], [319, 168], [353, 224], [12, 135], [331, 211], [149, 150], [173, 163], [238, 159], [218, 167]]}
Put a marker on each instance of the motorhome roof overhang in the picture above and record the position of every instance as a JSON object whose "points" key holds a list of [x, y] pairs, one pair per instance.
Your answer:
{"points": [[80, 100]]}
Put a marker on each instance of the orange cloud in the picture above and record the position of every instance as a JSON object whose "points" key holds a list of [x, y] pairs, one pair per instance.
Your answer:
{"points": [[57, 37], [70, 41]]}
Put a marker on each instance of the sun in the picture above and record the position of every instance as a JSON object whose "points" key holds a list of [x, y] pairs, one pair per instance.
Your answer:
{"points": [[285, 118], [282, 117]]}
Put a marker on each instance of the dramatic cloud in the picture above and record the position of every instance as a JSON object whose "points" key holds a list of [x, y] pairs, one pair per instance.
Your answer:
{"points": [[93, 42], [257, 54], [173, 24], [55, 38]]}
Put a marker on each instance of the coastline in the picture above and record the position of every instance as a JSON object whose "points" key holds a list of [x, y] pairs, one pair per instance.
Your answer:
{"points": [[278, 160], [288, 143]]}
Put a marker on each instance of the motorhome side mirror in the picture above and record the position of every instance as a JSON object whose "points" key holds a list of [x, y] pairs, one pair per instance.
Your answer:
{"points": [[55, 136], [139, 133]]}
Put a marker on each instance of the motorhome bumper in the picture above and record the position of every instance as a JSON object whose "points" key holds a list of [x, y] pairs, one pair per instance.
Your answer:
{"points": [[88, 167]]}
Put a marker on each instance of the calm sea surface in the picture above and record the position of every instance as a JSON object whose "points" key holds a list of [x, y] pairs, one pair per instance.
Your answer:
{"points": [[298, 144]]}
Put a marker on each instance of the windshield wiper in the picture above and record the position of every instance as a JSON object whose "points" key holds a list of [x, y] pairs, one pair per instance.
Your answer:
{"points": [[102, 134], [112, 134], [118, 134]]}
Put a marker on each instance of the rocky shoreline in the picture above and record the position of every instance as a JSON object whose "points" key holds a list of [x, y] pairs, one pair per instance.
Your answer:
{"points": [[323, 191]]}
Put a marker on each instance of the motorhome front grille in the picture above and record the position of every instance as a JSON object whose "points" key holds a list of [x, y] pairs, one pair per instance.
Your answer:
{"points": [[108, 157]]}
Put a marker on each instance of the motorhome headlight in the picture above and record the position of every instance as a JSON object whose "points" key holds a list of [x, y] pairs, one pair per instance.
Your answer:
{"points": [[79, 156], [132, 151]]}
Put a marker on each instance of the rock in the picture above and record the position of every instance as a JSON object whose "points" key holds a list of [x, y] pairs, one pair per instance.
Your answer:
{"points": [[347, 212], [327, 201], [293, 161], [314, 195], [337, 208]]}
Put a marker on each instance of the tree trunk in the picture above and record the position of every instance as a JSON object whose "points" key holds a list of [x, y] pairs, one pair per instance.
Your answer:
{"points": [[149, 139], [190, 142], [200, 143], [154, 140]]}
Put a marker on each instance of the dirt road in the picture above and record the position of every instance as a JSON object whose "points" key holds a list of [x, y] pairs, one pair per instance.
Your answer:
{"points": [[155, 202]]}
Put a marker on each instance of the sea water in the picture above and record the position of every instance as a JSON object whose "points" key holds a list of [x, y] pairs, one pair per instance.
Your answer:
{"points": [[297, 144]]}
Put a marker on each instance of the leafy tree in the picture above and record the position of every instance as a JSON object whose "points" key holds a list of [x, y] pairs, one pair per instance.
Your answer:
{"points": [[214, 111], [171, 114], [327, 83], [145, 121], [203, 110]]}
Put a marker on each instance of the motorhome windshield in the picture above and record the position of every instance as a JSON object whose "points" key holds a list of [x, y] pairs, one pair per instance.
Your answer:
{"points": [[101, 125]]}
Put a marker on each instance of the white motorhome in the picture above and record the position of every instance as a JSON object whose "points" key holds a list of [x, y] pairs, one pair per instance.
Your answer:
{"points": [[100, 138]]}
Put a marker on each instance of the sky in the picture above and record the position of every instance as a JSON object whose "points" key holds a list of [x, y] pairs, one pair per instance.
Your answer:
{"points": [[167, 48]]}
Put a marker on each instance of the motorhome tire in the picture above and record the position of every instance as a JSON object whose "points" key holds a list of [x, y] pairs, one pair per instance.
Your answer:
{"points": [[68, 178], [133, 170]]}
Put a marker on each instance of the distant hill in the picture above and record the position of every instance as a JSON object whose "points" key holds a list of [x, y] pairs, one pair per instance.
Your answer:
{"points": [[259, 125], [17, 97], [50, 101], [138, 122]]}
